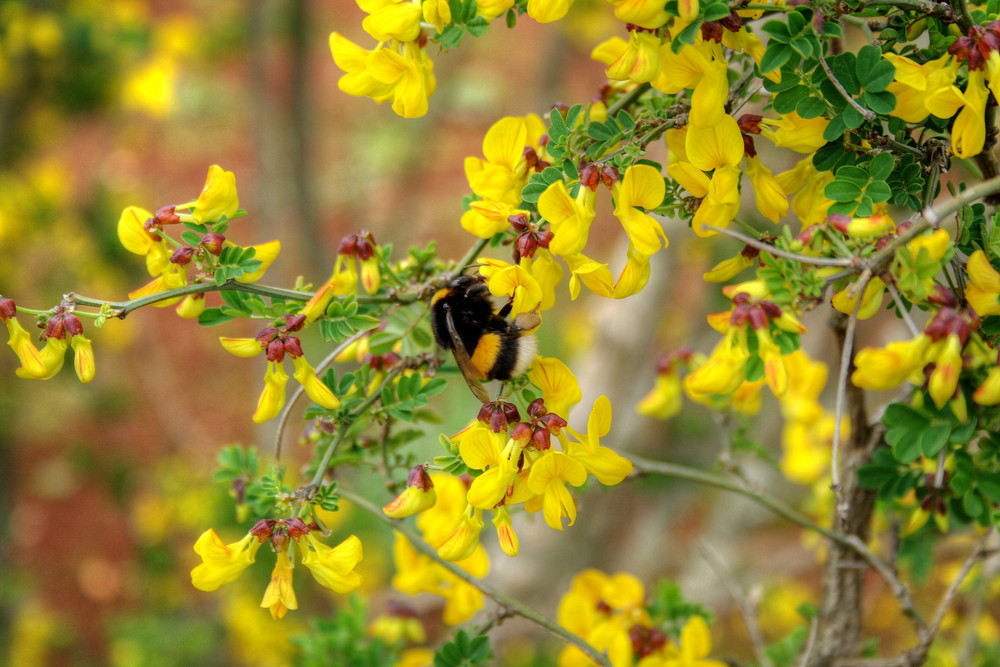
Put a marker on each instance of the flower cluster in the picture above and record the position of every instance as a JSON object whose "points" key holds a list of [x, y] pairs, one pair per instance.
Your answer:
{"points": [[611, 614], [331, 567], [62, 330]]}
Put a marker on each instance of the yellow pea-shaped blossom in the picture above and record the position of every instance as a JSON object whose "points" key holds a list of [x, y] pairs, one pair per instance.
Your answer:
{"points": [[272, 398], [559, 386], [641, 186], [983, 292], [221, 562], [279, 596], [548, 478], [218, 198], [333, 567]]}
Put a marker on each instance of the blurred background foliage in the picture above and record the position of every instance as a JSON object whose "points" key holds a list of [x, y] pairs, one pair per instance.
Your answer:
{"points": [[110, 103]]}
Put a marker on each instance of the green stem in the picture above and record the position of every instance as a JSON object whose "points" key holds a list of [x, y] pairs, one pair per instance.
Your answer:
{"points": [[777, 252], [344, 425], [627, 99], [502, 599]]}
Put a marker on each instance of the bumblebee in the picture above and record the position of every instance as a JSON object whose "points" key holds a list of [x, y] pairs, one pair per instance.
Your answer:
{"points": [[486, 345]]}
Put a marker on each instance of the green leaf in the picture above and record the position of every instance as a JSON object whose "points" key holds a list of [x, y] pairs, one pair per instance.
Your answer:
{"points": [[777, 30], [842, 191], [880, 76], [973, 504], [852, 117], [190, 238], [810, 107], [785, 102], [875, 476], [803, 47], [868, 57], [687, 36], [835, 128], [774, 57], [933, 438], [906, 450], [852, 174], [716, 11], [878, 191], [212, 317], [881, 166], [882, 102], [478, 26], [843, 68], [989, 485]]}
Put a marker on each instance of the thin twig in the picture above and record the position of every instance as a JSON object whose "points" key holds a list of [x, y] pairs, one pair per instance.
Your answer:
{"points": [[899, 590], [301, 390], [743, 605], [502, 599], [846, 355], [811, 642], [868, 114], [778, 252], [903, 312]]}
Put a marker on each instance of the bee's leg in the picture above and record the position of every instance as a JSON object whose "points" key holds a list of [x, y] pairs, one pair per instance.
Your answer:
{"points": [[505, 310]]}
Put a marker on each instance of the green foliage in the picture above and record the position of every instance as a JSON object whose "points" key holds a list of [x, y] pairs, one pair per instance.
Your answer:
{"points": [[235, 262], [464, 651], [464, 20], [344, 318], [670, 610], [857, 188], [343, 640]]}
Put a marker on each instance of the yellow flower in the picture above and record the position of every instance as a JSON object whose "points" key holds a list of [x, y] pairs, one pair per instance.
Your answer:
{"points": [[771, 200], [32, 364], [721, 374], [266, 253], [218, 199], [717, 145], [314, 387], [547, 11], [871, 300], [721, 204], [481, 449], [596, 276], [437, 13], [221, 563], [968, 134], [943, 381], [606, 465], [638, 62], [392, 20], [634, 275], [514, 282], [410, 76], [569, 218], [641, 186], [548, 478], [664, 400], [191, 307], [279, 596], [559, 386], [417, 497], [792, 131], [885, 368], [52, 357], [988, 393], [272, 399], [501, 175], [505, 531], [83, 358], [643, 13], [172, 277], [487, 218], [333, 567], [983, 294], [464, 539], [695, 644]]}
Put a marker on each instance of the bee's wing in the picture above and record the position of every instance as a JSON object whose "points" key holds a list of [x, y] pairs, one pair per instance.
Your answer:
{"points": [[469, 370]]}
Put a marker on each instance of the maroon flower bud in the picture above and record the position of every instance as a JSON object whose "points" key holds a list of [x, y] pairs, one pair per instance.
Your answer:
{"points": [[750, 252], [519, 222], [590, 177], [72, 324], [772, 309], [511, 413], [553, 422], [609, 175], [522, 432], [530, 157], [733, 22], [806, 235], [8, 309], [293, 346], [838, 221], [419, 478], [296, 527], [942, 296], [151, 228], [757, 318], [711, 31], [262, 529], [750, 123], [748, 146], [526, 244], [536, 408], [54, 328], [498, 421], [165, 215], [295, 323], [544, 238], [541, 439], [266, 335], [741, 298], [182, 255], [212, 242], [276, 350]]}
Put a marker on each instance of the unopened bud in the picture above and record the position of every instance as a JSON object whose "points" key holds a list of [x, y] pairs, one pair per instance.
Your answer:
{"points": [[182, 255], [8, 309], [293, 346], [295, 322], [212, 242], [590, 177], [609, 175], [72, 324], [165, 215], [522, 432]]}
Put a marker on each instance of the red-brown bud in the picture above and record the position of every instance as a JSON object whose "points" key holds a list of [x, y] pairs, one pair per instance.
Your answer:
{"points": [[942, 296], [276, 350], [711, 31], [293, 346], [521, 433], [165, 215], [8, 309], [733, 22], [72, 324], [418, 478], [182, 255], [296, 527], [295, 323], [749, 147], [750, 123], [536, 408], [212, 242], [262, 529], [54, 328], [609, 175], [590, 176], [541, 439], [519, 222]]}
